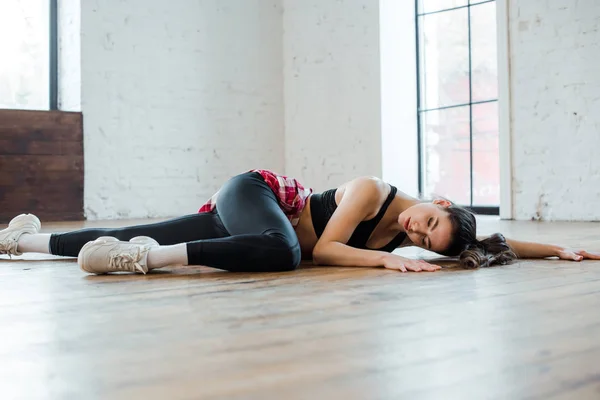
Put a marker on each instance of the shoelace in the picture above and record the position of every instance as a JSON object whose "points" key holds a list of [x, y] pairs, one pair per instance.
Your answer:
{"points": [[8, 247], [128, 261]]}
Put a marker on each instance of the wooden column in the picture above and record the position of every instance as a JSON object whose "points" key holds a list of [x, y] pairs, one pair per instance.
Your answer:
{"points": [[41, 164]]}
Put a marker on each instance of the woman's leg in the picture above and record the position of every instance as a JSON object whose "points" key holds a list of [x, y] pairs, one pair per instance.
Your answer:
{"points": [[178, 230], [262, 238]]}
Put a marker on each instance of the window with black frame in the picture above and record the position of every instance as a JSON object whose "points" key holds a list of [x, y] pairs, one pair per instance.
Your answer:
{"points": [[28, 45], [458, 102]]}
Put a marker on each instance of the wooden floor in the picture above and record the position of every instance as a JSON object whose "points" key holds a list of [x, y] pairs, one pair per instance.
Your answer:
{"points": [[530, 330]]}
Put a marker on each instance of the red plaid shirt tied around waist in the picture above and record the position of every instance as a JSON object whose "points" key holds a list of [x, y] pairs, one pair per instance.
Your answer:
{"points": [[291, 195]]}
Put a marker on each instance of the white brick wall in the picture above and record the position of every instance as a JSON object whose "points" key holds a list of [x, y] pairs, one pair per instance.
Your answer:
{"points": [[555, 91], [399, 144], [177, 96], [332, 90]]}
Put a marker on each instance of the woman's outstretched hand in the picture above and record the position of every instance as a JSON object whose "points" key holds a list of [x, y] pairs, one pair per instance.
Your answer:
{"points": [[577, 255], [393, 261]]}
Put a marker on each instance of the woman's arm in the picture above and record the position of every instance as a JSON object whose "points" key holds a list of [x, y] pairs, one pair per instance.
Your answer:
{"points": [[336, 253], [532, 250], [541, 250], [340, 254]]}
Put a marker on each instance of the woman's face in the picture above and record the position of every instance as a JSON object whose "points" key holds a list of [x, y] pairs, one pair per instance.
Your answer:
{"points": [[428, 225]]}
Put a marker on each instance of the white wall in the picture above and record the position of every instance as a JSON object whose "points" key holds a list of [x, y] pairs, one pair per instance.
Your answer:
{"points": [[400, 153], [177, 96], [332, 90], [555, 92]]}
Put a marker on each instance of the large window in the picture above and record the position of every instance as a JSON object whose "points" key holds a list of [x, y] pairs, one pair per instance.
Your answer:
{"points": [[458, 102], [28, 54]]}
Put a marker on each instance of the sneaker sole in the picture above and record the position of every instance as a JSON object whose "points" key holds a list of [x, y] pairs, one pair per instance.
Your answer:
{"points": [[145, 240]]}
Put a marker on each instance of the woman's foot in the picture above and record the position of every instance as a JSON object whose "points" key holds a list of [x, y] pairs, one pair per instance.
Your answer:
{"points": [[19, 225], [108, 254]]}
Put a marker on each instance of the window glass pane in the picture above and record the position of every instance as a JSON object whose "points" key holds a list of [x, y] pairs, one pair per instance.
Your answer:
{"points": [[446, 158], [24, 46], [484, 52], [486, 155], [478, 1], [444, 59], [426, 6]]}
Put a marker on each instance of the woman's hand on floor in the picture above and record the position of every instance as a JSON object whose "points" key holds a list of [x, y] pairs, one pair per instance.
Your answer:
{"points": [[577, 255], [393, 261]]}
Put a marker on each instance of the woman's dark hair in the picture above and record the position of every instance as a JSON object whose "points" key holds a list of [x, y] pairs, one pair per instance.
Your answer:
{"points": [[473, 253]]}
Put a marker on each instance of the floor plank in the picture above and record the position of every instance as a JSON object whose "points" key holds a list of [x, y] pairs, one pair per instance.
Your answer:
{"points": [[525, 331]]}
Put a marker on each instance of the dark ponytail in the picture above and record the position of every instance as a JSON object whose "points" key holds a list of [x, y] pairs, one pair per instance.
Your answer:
{"points": [[485, 253], [473, 253]]}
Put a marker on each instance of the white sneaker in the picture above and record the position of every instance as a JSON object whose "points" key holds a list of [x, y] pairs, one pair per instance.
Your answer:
{"points": [[108, 254], [9, 237]]}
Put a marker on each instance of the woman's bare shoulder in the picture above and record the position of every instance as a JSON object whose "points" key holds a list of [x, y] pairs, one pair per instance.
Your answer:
{"points": [[369, 183], [369, 187]]}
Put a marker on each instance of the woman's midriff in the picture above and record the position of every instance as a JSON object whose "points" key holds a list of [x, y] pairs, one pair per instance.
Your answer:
{"points": [[306, 232]]}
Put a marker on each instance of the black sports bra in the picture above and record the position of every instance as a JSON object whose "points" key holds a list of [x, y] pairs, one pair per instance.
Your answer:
{"points": [[323, 205]]}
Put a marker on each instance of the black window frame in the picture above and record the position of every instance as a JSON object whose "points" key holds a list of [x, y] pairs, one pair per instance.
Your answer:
{"points": [[484, 210], [53, 70]]}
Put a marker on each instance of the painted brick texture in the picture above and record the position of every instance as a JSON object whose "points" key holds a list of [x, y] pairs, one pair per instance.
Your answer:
{"points": [[555, 91], [177, 96]]}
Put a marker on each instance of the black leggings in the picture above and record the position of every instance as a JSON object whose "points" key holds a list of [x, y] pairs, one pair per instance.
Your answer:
{"points": [[248, 231]]}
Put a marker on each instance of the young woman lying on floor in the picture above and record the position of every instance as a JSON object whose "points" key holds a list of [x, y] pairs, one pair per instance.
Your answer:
{"points": [[261, 221]]}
